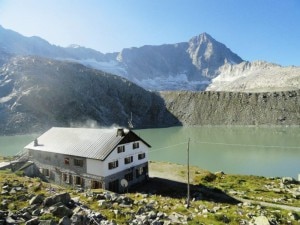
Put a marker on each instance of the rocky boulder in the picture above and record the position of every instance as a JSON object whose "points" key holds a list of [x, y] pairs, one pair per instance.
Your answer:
{"points": [[63, 198], [38, 199]]}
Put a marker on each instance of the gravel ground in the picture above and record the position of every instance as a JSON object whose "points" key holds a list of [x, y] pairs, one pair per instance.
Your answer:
{"points": [[172, 171]]}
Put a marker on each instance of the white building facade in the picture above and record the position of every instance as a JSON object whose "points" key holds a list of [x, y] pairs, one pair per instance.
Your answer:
{"points": [[91, 158]]}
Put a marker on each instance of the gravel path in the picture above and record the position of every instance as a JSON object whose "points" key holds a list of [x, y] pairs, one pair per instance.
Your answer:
{"points": [[273, 205], [4, 165]]}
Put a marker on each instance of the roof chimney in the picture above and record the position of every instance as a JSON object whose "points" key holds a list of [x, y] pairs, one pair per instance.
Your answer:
{"points": [[120, 132], [35, 142]]}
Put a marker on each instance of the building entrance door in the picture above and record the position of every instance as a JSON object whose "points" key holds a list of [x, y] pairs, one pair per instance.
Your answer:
{"points": [[114, 186], [96, 184]]}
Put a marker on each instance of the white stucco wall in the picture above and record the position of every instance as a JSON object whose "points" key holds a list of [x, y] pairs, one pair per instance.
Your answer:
{"points": [[100, 168]]}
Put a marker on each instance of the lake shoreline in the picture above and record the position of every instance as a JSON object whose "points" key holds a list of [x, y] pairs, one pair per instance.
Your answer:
{"points": [[166, 127], [178, 172], [263, 151]]}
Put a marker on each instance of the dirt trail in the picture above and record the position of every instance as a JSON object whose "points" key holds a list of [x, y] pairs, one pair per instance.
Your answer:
{"points": [[273, 205]]}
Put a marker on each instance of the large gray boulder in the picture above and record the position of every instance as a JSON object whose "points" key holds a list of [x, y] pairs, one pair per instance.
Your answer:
{"points": [[64, 221], [288, 180], [38, 199], [261, 220], [47, 222], [63, 198], [33, 221], [79, 219], [61, 211]]}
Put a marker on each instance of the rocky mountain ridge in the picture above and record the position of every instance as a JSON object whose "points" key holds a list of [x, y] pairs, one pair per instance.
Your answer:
{"points": [[202, 63], [14, 43], [258, 76], [38, 93], [152, 67]]}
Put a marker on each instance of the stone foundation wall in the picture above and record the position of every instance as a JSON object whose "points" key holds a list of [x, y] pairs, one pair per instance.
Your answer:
{"points": [[65, 177]]}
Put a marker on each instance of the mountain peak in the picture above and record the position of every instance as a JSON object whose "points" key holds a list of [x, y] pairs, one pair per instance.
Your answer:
{"points": [[202, 38], [205, 35], [208, 55]]}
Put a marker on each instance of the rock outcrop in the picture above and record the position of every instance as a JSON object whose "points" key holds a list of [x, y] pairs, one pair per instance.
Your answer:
{"points": [[56, 209], [256, 76]]}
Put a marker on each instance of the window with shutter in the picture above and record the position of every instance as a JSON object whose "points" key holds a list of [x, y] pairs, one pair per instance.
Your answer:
{"points": [[121, 149], [141, 156], [128, 160], [135, 145], [113, 165]]}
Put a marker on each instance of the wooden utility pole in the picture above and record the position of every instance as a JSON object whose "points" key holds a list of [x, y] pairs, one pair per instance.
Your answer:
{"points": [[188, 174]]}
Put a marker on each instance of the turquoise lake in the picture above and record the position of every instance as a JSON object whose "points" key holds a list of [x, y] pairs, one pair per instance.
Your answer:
{"points": [[266, 151]]}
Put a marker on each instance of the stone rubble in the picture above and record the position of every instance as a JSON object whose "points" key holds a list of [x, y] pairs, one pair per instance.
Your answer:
{"points": [[145, 211]]}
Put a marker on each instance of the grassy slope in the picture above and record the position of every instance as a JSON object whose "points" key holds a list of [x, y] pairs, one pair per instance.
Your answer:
{"points": [[244, 186]]}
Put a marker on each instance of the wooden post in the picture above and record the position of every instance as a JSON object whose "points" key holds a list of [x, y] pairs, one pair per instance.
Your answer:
{"points": [[188, 174]]}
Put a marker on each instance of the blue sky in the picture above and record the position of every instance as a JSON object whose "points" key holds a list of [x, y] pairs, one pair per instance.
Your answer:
{"points": [[254, 29]]}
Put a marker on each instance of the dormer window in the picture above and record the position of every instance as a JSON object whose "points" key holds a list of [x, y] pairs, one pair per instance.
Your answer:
{"points": [[135, 145]]}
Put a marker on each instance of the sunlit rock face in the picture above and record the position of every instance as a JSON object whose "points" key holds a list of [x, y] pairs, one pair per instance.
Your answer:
{"points": [[183, 66], [258, 76]]}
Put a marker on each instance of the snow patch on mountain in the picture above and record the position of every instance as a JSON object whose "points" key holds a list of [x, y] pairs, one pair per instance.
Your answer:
{"points": [[7, 98], [176, 82], [111, 66], [74, 46], [156, 83]]}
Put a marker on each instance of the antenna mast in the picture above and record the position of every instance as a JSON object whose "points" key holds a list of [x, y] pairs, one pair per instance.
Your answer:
{"points": [[130, 125], [188, 174]]}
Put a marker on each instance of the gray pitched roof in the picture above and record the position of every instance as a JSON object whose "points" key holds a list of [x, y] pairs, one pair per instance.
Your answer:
{"points": [[82, 142]]}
